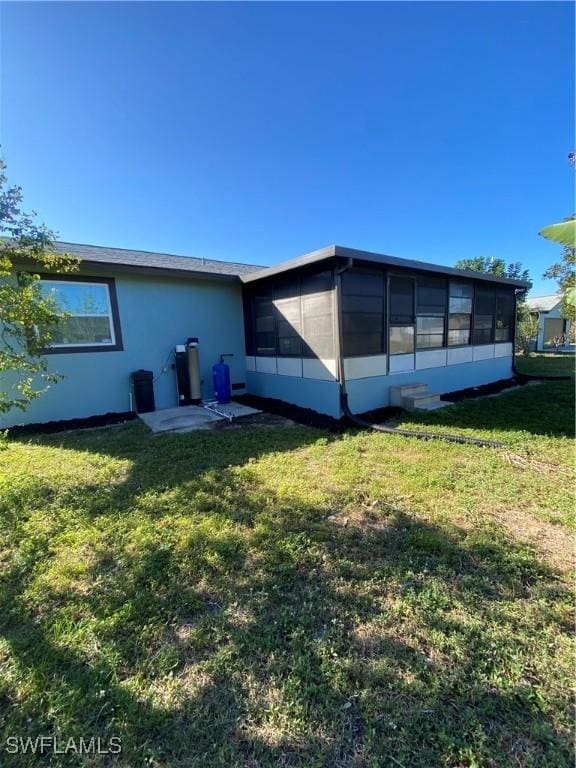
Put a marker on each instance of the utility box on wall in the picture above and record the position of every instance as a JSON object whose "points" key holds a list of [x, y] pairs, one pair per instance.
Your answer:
{"points": [[143, 389]]}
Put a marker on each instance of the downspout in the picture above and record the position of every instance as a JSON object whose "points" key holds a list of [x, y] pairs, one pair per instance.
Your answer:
{"points": [[380, 427], [338, 336]]}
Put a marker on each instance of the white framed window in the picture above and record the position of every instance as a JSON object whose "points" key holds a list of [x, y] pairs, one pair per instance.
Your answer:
{"points": [[91, 322]]}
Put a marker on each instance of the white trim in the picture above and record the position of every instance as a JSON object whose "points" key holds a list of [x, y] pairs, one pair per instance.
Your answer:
{"points": [[289, 366], [266, 364], [315, 368], [250, 363], [430, 358], [483, 352], [401, 363], [503, 349], [365, 367], [458, 355], [109, 316]]}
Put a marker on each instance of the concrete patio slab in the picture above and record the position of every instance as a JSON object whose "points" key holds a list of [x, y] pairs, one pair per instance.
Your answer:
{"points": [[192, 417]]}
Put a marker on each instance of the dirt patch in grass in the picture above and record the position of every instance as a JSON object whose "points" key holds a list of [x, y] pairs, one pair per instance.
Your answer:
{"points": [[553, 541], [254, 420], [294, 413]]}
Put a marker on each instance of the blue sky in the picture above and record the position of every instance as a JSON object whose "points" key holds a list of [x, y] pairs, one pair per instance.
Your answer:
{"points": [[260, 131]]}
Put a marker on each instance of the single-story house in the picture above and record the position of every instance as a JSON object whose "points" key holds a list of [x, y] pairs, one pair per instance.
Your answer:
{"points": [[301, 331], [551, 322]]}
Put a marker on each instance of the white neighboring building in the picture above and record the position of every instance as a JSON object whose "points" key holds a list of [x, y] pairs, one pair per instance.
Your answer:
{"points": [[551, 323]]}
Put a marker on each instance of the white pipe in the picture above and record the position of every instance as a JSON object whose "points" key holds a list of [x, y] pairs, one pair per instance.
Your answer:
{"points": [[210, 407]]}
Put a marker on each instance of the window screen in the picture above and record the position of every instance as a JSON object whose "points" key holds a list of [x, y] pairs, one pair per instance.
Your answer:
{"points": [[363, 301], [484, 311], [461, 290], [429, 332], [401, 339], [288, 320], [460, 296], [248, 305], [458, 338], [317, 315], [264, 325], [504, 315], [291, 318], [401, 300], [458, 330], [430, 296], [430, 309], [460, 304]]}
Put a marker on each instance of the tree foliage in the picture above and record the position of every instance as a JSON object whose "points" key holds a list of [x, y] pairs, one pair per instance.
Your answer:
{"points": [[526, 328], [26, 317], [496, 267], [564, 271], [526, 325]]}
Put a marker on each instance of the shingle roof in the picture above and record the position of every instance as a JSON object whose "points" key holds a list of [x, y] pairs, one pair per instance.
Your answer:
{"points": [[147, 260], [342, 252], [543, 303], [121, 259]]}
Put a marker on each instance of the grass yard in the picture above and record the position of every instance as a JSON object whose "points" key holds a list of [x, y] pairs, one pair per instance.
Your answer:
{"points": [[284, 596]]}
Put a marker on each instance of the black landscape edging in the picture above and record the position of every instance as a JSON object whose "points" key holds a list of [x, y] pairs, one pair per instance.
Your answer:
{"points": [[64, 425]]}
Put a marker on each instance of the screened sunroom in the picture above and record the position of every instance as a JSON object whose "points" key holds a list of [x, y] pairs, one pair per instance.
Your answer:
{"points": [[369, 322]]}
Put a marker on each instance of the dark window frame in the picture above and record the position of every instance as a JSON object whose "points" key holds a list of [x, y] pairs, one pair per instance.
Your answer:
{"points": [[249, 329], [110, 282], [505, 295], [269, 291], [486, 290], [279, 318], [380, 327], [421, 334], [266, 294], [428, 311], [401, 323], [308, 353], [405, 326], [472, 285], [383, 328]]}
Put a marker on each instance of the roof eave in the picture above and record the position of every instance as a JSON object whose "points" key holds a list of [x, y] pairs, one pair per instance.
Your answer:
{"points": [[99, 266], [422, 266], [314, 257], [332, 251], [111, 268]]}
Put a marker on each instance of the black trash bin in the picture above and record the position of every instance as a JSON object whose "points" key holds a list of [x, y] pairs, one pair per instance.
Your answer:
{"points": [[143, 388]]}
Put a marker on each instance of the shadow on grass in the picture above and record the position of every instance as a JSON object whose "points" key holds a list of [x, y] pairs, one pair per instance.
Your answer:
{"points": [[258, 630], [543, 408]]}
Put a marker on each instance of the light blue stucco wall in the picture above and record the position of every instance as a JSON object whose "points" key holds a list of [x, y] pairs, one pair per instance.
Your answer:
{"points": [[321, 396], [156, 313], [374, 392]]}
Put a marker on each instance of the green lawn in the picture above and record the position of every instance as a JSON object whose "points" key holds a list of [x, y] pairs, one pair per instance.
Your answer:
{"points": [[548, 363], [283, 596]]}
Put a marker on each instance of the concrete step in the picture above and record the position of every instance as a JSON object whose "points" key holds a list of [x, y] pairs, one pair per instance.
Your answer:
{"points": [[397, 394], [412, 389], [432, 406], [418, 400]]}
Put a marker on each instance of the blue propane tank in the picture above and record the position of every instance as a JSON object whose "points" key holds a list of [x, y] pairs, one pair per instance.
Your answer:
{"points": [[221, 377]]}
